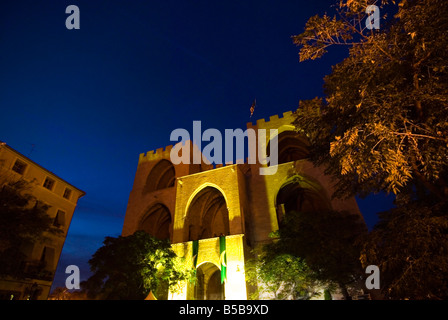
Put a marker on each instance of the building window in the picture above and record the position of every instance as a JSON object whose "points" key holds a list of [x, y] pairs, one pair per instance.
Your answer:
{"points": [[19, 166], [49, 183], [59, 220], [67, 193], [47, 258]]}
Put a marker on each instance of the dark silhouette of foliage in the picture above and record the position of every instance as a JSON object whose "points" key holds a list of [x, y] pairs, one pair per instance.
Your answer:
{"points": [[410, 246], [312, 250], [23, 221]]}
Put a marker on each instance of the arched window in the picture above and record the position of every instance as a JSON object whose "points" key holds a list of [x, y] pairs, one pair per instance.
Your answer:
{"points": [[291, 146], [207, 215], [161, 176], [157, 222]]}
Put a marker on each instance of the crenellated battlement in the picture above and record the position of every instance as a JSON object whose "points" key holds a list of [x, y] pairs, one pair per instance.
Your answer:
{"points": [[165, 153], [160, 153], [288, 114], [262, 123], [275, 121]]}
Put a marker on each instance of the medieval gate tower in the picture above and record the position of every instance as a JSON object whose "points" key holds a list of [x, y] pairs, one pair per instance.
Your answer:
{"points": [[196, 205]]}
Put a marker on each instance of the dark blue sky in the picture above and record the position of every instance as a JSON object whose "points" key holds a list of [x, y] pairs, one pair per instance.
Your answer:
{"points": [[91, 100]]}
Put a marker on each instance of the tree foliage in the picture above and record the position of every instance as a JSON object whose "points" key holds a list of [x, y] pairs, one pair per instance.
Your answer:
{"points": [[62, 293], [328, 241], [311, 251], [410, 246], [23, 220], [383, 125], [280, 276], [129, 268]]}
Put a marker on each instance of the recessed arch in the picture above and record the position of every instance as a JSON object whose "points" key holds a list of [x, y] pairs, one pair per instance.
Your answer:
{"points": [[207, 215], [285, 127], [208, 285], [200, 188], [302, 195], [291, 146], [207, 262], [161, 176], [157, 222]]}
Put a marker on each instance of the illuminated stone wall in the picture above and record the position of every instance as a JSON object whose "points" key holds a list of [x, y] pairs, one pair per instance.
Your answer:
{"points": [[208, 252], [238, 191]]}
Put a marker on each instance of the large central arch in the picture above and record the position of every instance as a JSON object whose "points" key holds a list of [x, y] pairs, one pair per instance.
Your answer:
{"points": [[207, 215]]}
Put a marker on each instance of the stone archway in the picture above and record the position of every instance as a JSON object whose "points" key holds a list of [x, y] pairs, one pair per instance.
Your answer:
{"points": [[207, 215], [157, 222], [291, 146], [299, 195], [208, 284], [161, 176]]}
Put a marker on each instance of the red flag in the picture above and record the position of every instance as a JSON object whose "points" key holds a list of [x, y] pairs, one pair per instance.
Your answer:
{"points": [[252, 108]]}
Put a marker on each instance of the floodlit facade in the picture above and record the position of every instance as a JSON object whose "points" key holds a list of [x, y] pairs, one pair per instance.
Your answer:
{"points": [[197, 205], [41, 258]]}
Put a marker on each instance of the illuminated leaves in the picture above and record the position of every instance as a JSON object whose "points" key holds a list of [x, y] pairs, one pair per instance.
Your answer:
{"points": [[322, 247], [320, 33], [130, 267], [383, 126], [281, 277], [383, 123], [355, 6]]}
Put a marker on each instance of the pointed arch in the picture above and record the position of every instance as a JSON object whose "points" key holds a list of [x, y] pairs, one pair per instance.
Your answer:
{"points": [[161, 176], [208, 285], [302, 195], [207, 215], [291, 146], [157, 222]]}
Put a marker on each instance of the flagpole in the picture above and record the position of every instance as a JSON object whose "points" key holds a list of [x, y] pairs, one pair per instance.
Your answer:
{"points": [[252, 107]]}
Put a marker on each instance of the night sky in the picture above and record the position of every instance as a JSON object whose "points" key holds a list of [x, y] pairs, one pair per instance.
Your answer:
{"points": [[85, 103]]}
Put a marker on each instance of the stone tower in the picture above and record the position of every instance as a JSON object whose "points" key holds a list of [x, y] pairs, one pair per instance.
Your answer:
{"points": [[196, 205]]}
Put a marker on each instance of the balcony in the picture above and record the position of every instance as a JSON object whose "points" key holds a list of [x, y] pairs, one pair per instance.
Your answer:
{"points": [[35, 269]]}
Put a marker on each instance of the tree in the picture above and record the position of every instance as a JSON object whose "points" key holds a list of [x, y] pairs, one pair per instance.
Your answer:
{"points": [[383, 125], [410, 246], [62, 293], [129, 268], [23, 220], [280, 276], [329, 242], [309, 252]]}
